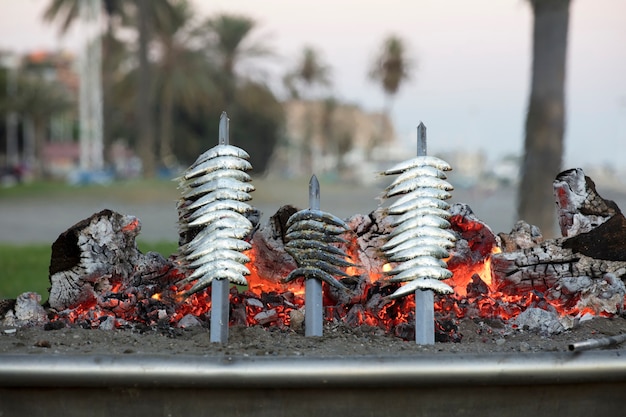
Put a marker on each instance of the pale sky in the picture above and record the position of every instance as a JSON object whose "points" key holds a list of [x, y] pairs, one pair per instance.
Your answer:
{"points": [[473, 64]]}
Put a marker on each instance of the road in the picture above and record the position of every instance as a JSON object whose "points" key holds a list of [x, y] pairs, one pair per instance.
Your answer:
{"points": [[41, 220]]}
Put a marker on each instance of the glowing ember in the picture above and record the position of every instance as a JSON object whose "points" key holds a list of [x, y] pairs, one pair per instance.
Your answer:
{"points": [[479, 292]]}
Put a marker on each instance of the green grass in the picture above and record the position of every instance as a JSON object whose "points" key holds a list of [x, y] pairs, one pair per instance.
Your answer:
{"points": [[25, 268], [127, 191]]}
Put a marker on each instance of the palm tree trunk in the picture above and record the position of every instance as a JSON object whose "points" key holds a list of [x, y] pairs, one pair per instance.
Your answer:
{"points": [[35, 143], [107, 85], [167, 109], [545, 122], [144, 102]]}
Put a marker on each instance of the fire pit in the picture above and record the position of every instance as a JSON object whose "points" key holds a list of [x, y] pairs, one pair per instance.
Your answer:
{"points": [[513, 282], [100, 279]]}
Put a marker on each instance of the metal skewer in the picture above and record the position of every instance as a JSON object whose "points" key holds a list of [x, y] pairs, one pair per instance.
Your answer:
{"points": [[220, 305], [314, 316], [597, 343], [424, 299]]}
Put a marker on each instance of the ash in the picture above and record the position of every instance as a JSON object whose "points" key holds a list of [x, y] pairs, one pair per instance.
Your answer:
{"points": [[479, 337]]}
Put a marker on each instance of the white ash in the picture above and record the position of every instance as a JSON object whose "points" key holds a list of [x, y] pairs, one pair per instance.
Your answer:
{"points": [[254, 302], [266, 316], [600, 295], [26, 312], [107, 324], [538, 320], [188, 321], [522, 236]]}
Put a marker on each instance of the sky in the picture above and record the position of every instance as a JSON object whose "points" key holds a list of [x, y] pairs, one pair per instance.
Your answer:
{"points": [[473, 59]]}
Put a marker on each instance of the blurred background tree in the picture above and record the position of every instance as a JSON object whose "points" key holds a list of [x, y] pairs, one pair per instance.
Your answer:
{"points": [[168, 73], [391, 68], [310, 72], [66, 13], [183, 76], [182, 73], [545, 121], [301, 82], [38, 101]]}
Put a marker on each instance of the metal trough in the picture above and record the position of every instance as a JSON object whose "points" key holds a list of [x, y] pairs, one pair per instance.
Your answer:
{"points": [[531, 385]]}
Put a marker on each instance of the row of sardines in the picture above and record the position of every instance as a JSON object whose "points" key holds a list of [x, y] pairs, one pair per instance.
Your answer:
{"points": [[215, 226]]}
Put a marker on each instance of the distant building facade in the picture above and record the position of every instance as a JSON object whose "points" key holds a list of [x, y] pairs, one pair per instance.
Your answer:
{"points": [[330, 138]]}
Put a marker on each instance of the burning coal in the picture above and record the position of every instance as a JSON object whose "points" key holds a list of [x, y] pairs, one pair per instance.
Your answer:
{"points": [[99, 279]]}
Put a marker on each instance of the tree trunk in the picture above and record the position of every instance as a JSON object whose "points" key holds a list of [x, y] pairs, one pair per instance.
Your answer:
{"points": [[35, 141], [107, 85], [167, 110], [543, 148], [144, 102]]}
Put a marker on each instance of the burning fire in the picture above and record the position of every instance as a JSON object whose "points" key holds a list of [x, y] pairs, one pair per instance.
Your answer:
{"points": [[267, 301]]}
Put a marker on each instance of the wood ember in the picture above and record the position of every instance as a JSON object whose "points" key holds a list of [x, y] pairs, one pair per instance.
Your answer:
{"points": [[580, 207], [97, 253], [266, 316], [476, 239], [522, 236], [587, 262], [97, 268], [271, 261], [371, 231]]}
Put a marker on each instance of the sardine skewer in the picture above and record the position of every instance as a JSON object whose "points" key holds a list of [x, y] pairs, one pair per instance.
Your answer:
{"points": [[419, 239], [311, 234], [213, 224]]}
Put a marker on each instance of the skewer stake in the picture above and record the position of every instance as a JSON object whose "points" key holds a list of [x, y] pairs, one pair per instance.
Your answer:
{"points": [[313, 311], [597, 343], [224, 128], [424, 299], [219, 287], [421, 140], [219, 310]]}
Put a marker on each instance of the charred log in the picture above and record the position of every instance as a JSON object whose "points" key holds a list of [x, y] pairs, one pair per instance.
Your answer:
{"points": [[580, 207], [476, 239], [270, 258], [585, 265], [97, 253], [606, 242], [543, 266], [522, 236], [593, 226], [371, 233]]}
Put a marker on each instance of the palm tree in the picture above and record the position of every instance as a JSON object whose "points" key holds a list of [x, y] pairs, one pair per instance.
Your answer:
{"points": [[183, 76], [229, 38], [311, 71], [147, 15], [67, 12], [39, 100], [116, 12], [145, 137], [545, 121], [391, 68]]}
